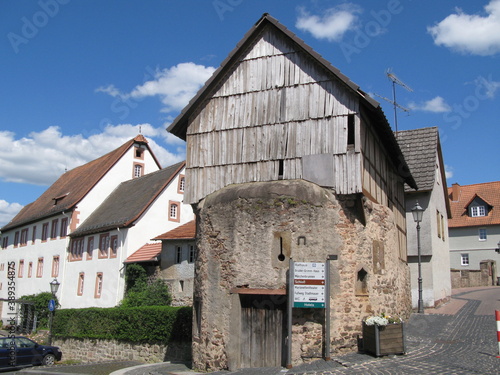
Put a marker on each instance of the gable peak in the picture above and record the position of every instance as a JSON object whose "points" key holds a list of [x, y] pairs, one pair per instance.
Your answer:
{"points": [[139, 138]]}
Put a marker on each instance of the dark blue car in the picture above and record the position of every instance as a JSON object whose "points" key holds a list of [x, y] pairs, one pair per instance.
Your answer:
{"points": [[20, 352]]}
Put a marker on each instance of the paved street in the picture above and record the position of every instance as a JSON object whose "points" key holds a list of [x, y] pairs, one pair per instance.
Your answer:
{"points": [[458, 338]]}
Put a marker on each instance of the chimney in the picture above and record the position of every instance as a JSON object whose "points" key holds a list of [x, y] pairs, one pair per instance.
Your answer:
{"points": [[455, 192]]}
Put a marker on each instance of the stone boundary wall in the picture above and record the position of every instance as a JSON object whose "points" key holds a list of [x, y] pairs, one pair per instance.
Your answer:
{"points": [[468, 279], [91, 350]]}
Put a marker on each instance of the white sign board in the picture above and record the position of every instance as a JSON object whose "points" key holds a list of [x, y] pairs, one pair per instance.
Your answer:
{"points": [[309, 285]]}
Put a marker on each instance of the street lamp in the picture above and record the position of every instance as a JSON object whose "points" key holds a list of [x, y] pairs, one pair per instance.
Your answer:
{"points": [[54, 286], [418, 212]]}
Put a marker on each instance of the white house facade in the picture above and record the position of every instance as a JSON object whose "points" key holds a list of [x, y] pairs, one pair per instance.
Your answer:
{"points": [[131, 215], [422, 151], [36, 243]]}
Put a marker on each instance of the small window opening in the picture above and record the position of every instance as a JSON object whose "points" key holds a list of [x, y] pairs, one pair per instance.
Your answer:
{"points": [[181, 284], [280, 169], [350, 130], [139, 152], [362, 282]]}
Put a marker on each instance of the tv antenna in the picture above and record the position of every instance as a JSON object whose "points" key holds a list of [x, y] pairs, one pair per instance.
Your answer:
{"points": [[396, 81]]}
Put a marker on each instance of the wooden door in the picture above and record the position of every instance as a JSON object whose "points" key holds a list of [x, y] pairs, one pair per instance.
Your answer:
{"points": [[263, 330]]}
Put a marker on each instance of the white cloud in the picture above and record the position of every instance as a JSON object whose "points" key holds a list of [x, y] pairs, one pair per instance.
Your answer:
{"points": [[448, 171], [474, 34], [332, 25], [110, 90], [436, 105], [8, 211], [41, 157], [488, 85], [175, 86]]}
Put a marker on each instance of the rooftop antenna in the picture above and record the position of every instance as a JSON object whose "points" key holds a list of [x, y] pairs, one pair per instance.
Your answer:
{"points": [[396, 81]]}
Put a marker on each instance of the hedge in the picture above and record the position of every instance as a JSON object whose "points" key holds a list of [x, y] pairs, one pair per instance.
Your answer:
{"points": [[132, 324]]}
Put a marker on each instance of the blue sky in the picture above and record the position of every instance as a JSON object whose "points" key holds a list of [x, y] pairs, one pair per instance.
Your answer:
{"points": [[78, 78]]}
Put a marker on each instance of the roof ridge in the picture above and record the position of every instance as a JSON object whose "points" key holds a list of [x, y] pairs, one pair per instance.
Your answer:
{"points": [[479, 183], [76, 182]]}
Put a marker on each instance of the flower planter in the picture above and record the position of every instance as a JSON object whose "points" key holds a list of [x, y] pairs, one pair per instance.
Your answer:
{"points": [[384, 340]]}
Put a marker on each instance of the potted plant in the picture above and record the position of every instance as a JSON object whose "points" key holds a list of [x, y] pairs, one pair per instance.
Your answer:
{"points": [[383, 335]]}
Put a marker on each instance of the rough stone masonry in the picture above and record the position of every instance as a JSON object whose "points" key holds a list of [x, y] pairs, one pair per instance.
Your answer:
{"points": [[247, 234]]}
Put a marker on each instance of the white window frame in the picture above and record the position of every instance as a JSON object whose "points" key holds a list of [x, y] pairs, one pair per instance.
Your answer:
{"points": [[464, 259], [483, 235], [174, 211], [478, 211]]}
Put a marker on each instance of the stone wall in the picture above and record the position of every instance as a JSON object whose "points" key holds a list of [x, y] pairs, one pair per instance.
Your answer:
{"points": [[247, 234], [88, 350], [484, 276]]}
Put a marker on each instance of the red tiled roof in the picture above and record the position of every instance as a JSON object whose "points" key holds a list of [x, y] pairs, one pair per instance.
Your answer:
{"points": [[71, 187], [184, 232], [147, 253], [128, 202], [488, 191]]}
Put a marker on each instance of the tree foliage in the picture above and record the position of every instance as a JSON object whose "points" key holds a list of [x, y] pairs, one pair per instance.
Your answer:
{"points": [[141, 293], [154, 294], [135, 276], [41, 308]]}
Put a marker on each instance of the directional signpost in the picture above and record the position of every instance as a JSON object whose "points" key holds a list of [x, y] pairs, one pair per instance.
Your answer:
{"points": [[309, 285]]}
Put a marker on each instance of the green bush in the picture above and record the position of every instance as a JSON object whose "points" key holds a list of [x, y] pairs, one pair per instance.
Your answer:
{"points": [[135, 277], [154, 294], [133, 324]]}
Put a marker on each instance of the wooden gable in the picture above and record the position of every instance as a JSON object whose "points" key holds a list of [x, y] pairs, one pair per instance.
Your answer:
{"points": [[271, 105], [276, 106]]}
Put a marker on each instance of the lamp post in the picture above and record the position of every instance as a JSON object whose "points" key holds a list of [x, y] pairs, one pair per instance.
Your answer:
{"points": [[418, 212], [54, 286]]}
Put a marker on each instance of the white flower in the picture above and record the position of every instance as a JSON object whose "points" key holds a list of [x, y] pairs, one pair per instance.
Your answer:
{"points": [[376, 320]]}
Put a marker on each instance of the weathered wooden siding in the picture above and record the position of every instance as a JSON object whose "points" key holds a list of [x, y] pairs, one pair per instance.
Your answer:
{"points": [[273, 108], [381, 183]]}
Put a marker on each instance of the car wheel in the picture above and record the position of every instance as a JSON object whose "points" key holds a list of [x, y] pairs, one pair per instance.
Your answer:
{"points": [[49, 360]]}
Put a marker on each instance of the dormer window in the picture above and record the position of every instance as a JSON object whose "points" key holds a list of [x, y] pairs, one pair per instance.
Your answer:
{"points": [[476, 211], [478, 207], [59, 198]]}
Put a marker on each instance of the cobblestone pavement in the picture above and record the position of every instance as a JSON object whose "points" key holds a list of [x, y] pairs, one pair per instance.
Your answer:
{"points": [[454, 342]]}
